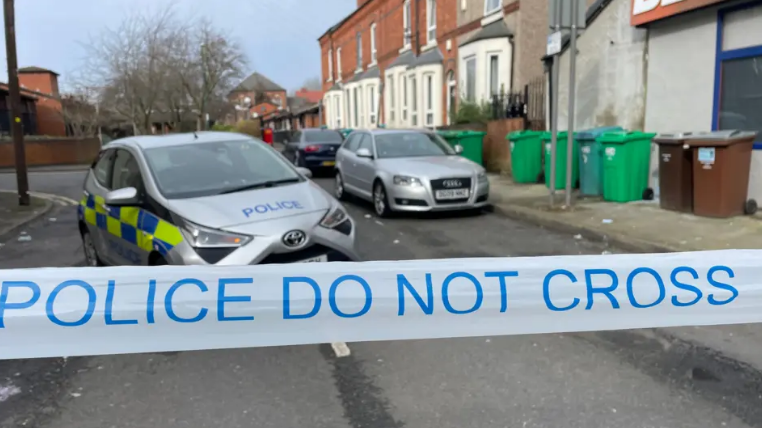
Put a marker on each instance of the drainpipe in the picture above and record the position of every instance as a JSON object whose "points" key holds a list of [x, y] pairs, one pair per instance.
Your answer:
{"points": [[513, 60], [417, 29]]}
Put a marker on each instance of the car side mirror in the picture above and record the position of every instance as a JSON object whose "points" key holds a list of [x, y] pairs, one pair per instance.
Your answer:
{"points": [[364, 153], [458, 149], [304, 171], [123, 197]]}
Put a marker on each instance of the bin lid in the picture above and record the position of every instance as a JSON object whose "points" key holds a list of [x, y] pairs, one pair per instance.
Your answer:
{"points": [[522, 135], [561, 135], [593, 133], [622, 137], [674, 137], [729, 135]]}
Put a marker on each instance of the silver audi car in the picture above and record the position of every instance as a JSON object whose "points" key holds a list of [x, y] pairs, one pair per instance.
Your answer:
{"points": [[215, 198], [408, 170]]}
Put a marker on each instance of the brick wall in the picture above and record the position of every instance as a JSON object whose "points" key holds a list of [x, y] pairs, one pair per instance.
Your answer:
{"points": [[497, 153], [388, 17], [52, 151]]}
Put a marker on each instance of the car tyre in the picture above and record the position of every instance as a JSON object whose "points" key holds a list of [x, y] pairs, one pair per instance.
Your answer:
{"points": [[91, 254], [381, 201], [338, 187]]}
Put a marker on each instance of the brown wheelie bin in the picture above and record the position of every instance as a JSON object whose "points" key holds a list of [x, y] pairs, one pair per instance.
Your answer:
{"points": [[721, 163], [675, 172]]}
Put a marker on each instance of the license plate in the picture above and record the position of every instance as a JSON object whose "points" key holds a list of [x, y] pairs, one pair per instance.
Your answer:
{"points": [[318, 259], [329, 163], [451, 194]]}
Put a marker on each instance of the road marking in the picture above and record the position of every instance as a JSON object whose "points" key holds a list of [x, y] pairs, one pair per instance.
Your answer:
{"points": [[340, 349], [379, 223], [62, 200]]}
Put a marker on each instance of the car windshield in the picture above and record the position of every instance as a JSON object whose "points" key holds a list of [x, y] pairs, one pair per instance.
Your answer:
{"points": [[322, 137], [411, 144], [196, 170]]}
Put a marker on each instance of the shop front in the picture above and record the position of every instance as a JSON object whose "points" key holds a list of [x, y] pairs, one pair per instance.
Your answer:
{"points": [[704, 69]]}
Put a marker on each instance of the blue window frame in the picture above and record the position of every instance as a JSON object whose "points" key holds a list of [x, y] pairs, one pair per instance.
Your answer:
{"points": [[725, 58]]}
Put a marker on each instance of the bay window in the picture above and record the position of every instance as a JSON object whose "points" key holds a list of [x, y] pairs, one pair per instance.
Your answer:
{"points": [[429, 98], [413, 101]]}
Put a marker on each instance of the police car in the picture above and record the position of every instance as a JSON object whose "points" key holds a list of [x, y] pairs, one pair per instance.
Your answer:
{"points": [[215, 198]]}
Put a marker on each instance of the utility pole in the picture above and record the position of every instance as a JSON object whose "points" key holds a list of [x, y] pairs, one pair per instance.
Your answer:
{"points": [[570, 155], [17, 132]]}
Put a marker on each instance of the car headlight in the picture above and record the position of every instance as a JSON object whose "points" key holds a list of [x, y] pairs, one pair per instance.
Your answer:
{"points": [[482, 176], [203, 237], [404, 180], [334, 217]]}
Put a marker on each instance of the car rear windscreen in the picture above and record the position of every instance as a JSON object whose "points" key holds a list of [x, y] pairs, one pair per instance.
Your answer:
{"points": [[322, 137]]}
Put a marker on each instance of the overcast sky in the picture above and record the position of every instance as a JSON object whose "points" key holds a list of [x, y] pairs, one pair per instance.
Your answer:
{"points": [[278, 36]]}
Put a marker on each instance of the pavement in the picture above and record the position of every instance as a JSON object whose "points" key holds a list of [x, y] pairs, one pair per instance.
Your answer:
{"points": [[609, 379], [641, 226]]}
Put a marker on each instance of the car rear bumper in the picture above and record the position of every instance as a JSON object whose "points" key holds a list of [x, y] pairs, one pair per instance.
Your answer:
{"points": [[421, 198]]}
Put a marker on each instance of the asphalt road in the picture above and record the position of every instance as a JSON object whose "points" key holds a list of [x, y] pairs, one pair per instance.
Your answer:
{"points": [[614, 379]]}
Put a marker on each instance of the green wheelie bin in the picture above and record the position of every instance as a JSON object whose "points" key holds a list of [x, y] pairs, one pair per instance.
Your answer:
{"points": [[471, 141], [561, 143], [345, 131], [626, 159], [590, 163], [526, 155]]}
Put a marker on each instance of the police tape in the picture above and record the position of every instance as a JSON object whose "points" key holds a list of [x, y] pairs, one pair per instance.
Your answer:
{"points": [[92, 311]]}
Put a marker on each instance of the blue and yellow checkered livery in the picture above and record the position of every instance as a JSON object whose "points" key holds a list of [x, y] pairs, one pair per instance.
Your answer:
{"points": [[135, 225]]}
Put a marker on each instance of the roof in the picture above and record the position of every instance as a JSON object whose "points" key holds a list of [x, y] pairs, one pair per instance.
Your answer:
{"points": [[4, 88], [431, 56], [34, 69], [592, 12], [404, 60], [143, 142], [346, 18], [495, 30], [311, 96], [257, 83], [372, 73]]}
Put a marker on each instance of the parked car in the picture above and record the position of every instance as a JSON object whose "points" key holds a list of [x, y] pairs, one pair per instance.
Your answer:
{"points": [[215, 198], [408, 170], [313, 148]]}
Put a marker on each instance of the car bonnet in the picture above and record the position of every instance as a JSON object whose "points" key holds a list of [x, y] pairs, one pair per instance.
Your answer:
{"points": [[258, 205]]}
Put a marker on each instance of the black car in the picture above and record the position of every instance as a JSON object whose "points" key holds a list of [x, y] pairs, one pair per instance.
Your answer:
{"points": [[313, 148]]}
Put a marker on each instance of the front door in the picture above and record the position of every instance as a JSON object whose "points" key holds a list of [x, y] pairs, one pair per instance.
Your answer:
{"points": [[365, 168], [122, 231]]}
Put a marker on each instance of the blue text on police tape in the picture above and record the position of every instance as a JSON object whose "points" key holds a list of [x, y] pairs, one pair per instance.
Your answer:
{"points": [[685, 286]]}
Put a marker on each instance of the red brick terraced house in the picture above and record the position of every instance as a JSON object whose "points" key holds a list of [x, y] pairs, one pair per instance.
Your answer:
{"points": [[407, 63]]}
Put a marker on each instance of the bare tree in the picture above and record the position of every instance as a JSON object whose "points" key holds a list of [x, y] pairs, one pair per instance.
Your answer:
{"points": [[81, 112], [207, 63], [129, 63]]}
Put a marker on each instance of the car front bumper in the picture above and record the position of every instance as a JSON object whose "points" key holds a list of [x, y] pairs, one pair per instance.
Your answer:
{"points": [[421, 198], [333, 245]]}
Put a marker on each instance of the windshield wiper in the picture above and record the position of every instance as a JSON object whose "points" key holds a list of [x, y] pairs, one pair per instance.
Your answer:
{"points": [[264, 184]]}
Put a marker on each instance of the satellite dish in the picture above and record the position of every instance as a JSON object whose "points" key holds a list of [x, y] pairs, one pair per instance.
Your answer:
{"points": [[254, 115]]}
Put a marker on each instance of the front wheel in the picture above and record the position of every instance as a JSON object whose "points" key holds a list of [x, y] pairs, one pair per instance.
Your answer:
{"points": [[380, 201], [338, 189], [91, 254]]}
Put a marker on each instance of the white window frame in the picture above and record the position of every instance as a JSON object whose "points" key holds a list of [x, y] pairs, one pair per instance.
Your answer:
{"points": [[330, 65], [431, 22], [358, 40], [413, 87], [338, 65], [372, 116], [428, 99], [337, 107], [360, 108], [392, 98], [373, 51], [490, 56], [488, 11], [404, 98], [349, 107], [472, 96], [407, 34]]}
